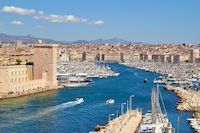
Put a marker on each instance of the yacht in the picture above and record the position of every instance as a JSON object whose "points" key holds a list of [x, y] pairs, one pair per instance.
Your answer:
{"points": [[76, 82], [73, 81], [62, 78], [155, 121]]}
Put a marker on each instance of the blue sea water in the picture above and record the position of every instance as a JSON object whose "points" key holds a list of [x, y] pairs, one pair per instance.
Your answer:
{"points": [[55, 111]]}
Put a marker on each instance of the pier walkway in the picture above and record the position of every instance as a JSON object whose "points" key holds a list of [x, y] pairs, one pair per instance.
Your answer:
{"points": [[126, 123]]}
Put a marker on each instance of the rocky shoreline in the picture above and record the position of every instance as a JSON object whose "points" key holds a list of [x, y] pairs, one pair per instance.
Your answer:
{"points": [[189, 100]]}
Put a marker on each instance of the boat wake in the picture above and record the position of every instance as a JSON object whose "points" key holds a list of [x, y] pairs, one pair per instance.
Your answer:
{"points": [[51, 109], [44, 112]]}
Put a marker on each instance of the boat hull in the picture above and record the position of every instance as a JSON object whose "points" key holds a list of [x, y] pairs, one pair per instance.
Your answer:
{"points": [[74, 85]]}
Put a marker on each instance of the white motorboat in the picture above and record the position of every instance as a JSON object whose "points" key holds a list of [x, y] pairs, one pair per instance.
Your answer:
{"points": [[74, 81], [110, 101], [115, 74], [79, 100], [158, 81]]}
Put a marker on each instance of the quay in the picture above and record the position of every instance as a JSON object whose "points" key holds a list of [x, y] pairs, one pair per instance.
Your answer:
{"points": [[179, 72], [126, 123], [29, 92], [189, 99]]}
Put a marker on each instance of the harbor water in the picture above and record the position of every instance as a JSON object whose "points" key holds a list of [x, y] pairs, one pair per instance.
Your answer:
{"points": [[57, 111]]}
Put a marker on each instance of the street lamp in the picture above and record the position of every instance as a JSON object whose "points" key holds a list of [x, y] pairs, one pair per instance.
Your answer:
{"points": [[109, 116], [130, 102], [127, 106], [122, 108], [117, 113]]}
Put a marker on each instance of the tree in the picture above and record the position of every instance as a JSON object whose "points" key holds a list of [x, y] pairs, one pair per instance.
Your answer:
{"points": [[18, 61]]}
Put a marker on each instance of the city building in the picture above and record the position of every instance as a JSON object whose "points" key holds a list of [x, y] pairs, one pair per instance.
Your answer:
{"points": [[194, 54]]}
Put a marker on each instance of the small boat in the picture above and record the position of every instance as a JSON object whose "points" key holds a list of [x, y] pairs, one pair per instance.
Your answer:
{"points": [[145, 80], [110, 101], [116, 74], [79, 100], [158, 81]]}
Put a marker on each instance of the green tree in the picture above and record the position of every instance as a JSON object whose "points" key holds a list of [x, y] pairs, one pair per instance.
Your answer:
{"points": [[18, 61]]}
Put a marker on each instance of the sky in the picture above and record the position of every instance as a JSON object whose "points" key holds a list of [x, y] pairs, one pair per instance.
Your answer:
{"points": [[153, 21]]}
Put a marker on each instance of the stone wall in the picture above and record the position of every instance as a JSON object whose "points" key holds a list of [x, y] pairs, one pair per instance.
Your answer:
{"points": [[45, 61], [18, 79]]}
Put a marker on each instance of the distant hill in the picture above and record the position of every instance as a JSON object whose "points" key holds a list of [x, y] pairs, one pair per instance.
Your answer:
{"points": [[103, 41], [26, 38], [31, 39], [111, 41]]}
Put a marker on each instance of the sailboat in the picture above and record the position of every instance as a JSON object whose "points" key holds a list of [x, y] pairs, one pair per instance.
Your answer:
{"points": [[156, 120]]}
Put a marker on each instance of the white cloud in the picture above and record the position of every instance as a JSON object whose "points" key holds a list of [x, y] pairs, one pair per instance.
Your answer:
{"points": [[58, 18], [40, 15], [53, 18], [17, 10], [99, 22], [17, 23]]}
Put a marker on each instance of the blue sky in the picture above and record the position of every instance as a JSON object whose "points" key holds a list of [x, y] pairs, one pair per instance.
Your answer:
{"points": [[154, 21]]}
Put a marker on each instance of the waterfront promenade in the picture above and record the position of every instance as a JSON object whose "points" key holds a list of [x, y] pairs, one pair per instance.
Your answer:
{"points": [[126, 123]]}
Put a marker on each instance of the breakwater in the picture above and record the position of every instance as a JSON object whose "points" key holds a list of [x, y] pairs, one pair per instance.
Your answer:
{"points": [[189, 99]]}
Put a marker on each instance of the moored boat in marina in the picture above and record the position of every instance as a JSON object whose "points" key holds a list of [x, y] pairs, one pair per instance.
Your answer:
{"points": [[195, 122], [76, 82], [155, 121], [159, 81], [73, 81]]}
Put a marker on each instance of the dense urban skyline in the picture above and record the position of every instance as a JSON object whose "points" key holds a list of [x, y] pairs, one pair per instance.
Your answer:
{"points": [[146, 21]]}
